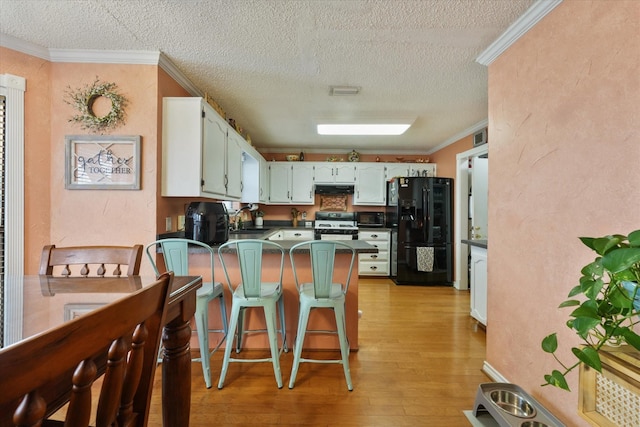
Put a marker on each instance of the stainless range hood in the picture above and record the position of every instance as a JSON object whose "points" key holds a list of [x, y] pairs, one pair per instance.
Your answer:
{"points": [[334, 189]]}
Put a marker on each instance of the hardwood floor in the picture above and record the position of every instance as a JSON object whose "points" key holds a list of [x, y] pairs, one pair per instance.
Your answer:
{"points": [[419, 364]]}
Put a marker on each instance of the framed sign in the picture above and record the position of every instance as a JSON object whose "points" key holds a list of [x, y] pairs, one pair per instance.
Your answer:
{"points": [[102, 162]]}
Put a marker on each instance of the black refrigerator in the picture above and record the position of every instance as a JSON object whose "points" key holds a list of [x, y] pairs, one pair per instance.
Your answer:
{"points": [[420, 215]]}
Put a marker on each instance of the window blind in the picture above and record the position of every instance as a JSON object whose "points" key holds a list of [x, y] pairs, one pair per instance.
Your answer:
{"points": [[2, 193]]}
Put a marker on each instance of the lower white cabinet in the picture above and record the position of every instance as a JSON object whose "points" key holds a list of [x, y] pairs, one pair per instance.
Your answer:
{"points": [[479, 284], [375, 264], [294, 234]]}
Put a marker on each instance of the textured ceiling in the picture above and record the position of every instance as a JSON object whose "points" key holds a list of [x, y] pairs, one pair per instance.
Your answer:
{"points": [[269, 63]]}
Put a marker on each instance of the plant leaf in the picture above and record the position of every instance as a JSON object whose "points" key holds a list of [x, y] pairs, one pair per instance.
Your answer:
{"points": [[575, 291], [550, 343], [589, 357], [556, 379], [587, 309], [588, 241], [602, 245], [569, 303], [583, 325], [634, 239], [619, 297], [593, 269], [621, 259], [631, 338]]}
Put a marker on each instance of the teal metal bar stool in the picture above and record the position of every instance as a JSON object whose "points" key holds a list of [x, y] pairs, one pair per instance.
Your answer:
{"points": [[250, 292], [322, 292], [176, 259]]}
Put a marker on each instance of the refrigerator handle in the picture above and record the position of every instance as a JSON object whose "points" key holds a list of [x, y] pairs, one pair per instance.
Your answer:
{"points": [[425, 214]]}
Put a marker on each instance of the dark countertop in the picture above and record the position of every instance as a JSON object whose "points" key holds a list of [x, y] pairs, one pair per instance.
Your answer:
{"points": [[477, 243], [359, 245]]}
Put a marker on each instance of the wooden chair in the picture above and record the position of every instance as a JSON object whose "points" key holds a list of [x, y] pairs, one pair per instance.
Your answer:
{"points": [[85, 258], [121, 340]]}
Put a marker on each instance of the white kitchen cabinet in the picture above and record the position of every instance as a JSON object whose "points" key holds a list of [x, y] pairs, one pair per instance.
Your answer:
{"points": [[422, 169], [375, 264], [297, 234], [197, 158], [263, 195], [291, 182], [234, 164], [255, 176], [393, 170], [334, 173], [370, 188], [478, 269]]}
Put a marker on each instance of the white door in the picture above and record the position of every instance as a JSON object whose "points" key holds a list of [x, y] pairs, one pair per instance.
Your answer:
{"points": [[302, 190], [480, 197]]}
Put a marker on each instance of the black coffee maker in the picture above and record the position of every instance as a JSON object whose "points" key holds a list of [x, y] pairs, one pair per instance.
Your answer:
{"points": [[207, 222]]}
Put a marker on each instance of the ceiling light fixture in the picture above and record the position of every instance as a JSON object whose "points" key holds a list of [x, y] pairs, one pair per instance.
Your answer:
{"points": [[363, 129], [343, 90]]}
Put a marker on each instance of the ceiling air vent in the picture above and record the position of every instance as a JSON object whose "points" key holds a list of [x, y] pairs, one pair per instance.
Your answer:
{"points": [[343, 90]]}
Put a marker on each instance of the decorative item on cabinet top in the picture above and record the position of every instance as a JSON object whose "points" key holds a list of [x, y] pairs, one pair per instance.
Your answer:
{"points": [[292, 157], [354, 156]]}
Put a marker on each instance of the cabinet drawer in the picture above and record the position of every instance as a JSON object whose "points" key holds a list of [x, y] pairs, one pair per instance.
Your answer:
{"points": [[297, 234], [380, 256], [373, 235], [373, 268]]}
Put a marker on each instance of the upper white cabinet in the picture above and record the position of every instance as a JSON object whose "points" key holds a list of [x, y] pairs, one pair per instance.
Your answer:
{"points": [[334, 173], [291, 182], [393, 170], [422, 169], [370, 187], [255, 176], [201, 153]]}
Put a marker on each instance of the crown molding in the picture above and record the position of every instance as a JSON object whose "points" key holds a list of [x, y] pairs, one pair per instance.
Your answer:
{"points": [[457, 137], [531, 17], [97, 56], [29, 48], [174, 72]]}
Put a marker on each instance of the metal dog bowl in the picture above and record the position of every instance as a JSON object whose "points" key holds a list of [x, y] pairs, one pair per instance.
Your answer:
{"points": [[513, 403], [510, 406]]}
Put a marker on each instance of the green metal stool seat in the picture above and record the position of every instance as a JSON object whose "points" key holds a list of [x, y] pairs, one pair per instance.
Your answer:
{"points": [[176, 259], [251, 291], [322, 292]]}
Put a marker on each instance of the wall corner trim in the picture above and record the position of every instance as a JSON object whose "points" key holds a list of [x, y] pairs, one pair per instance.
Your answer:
{"points": [[174, 72], [516, 30]]}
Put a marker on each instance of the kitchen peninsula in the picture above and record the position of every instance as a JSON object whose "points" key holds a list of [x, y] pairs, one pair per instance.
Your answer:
{"points": [[322, 319]]}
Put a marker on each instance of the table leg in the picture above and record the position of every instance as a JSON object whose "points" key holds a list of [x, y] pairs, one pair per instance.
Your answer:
{"points": [[176, 373]]}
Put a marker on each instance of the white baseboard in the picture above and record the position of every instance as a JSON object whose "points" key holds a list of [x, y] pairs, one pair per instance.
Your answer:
{"points": [[493, 373]]}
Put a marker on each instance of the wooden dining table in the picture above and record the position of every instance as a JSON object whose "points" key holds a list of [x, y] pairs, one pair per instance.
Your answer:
{"points": [[36, 304]]}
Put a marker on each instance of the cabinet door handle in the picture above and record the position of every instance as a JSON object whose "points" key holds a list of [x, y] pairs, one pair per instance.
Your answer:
{"points": [[374, 256], [373, 267], [297, 234], [374, 236]]}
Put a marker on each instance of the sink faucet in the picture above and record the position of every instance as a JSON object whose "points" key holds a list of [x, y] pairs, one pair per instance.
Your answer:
{"points": [[236, 223]]}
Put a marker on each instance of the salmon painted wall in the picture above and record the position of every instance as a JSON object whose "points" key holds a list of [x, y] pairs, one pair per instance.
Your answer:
{"points": [[109, 217], [37, 101], [446, 157], [565, 150]]}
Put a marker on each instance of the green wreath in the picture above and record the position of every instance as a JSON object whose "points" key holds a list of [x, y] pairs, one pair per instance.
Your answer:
{"points": [[83, 100]]}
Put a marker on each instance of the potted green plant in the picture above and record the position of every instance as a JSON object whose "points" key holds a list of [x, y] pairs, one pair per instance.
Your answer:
{"points": [[609, 304]]}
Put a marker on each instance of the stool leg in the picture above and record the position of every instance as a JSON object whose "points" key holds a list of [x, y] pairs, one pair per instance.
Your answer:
{"points": [[344, 343], [235, 314], [297, 348], [282, 323], [272, 331], [241, 318], [202, 329]]}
